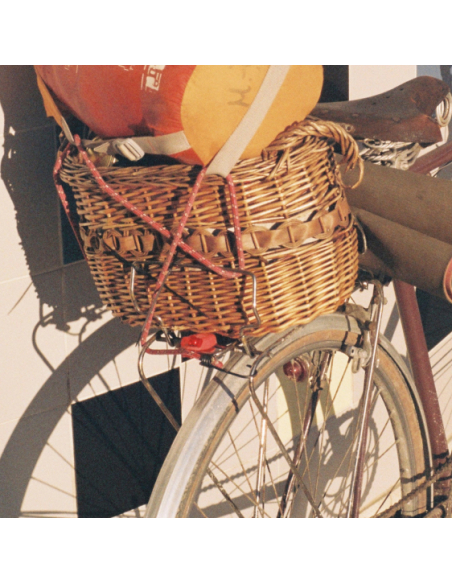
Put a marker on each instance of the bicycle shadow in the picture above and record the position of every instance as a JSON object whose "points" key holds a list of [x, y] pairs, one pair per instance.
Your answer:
{"points": [[26, 170], [28, 440]]}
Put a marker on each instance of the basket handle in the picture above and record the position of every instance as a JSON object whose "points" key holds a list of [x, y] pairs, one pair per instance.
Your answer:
{"points": [[316, 128]]}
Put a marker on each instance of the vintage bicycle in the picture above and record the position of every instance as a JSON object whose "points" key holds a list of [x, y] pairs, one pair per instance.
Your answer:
{"points": [[310, 420]]}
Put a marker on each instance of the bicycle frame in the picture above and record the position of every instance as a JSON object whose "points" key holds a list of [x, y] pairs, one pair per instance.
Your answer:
{"points": [[423, 376], [417, 346]]}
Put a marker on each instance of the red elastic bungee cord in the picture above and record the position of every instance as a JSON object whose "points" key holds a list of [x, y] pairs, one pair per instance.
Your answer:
{"points": [[176, 238]]}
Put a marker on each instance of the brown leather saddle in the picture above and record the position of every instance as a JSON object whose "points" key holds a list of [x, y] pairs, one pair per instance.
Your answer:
{"points": [[403, 114]]}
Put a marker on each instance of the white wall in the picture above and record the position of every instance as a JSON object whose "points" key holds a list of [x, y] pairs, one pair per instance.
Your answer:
{"points": [[367, 80]]}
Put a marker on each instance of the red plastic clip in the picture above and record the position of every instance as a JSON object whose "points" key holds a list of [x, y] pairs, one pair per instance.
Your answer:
{"points": [[200, 343]]}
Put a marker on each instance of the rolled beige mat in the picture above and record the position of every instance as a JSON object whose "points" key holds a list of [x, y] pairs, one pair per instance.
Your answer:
{"points": [[405, 254], [418, 202]]}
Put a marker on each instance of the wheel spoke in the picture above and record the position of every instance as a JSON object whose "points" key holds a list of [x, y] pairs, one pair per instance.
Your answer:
{"points": [[285, 447], [224, 493], [244, 493]]}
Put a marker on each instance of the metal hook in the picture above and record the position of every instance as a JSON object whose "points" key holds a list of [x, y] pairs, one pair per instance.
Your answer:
{"points": [[155, 396], [165, 330], [250, 327], [133, 272]]}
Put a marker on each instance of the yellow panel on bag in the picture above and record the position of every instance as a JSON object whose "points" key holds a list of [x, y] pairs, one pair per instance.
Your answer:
{"points": [[217, 97]]}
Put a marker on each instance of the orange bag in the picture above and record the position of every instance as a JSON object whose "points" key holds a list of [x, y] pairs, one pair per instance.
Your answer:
{"points": [[196, 107]]}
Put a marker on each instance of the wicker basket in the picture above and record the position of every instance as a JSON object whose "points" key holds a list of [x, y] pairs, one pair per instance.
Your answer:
{"points": [[298, 235]]}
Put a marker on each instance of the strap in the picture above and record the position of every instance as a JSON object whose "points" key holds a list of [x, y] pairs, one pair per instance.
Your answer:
{"points": [[229, 154], [291, 234], [256, 241], [136, 147]]}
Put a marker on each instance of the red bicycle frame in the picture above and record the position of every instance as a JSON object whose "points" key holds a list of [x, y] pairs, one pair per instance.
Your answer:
{"points": [[416, 344]]}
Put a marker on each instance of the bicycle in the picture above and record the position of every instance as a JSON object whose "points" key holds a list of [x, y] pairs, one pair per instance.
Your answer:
{"points": [[274, 432], [306, 354]]}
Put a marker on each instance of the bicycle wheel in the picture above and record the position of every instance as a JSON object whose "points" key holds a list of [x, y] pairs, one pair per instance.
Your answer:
{"points": [[225, 462]]}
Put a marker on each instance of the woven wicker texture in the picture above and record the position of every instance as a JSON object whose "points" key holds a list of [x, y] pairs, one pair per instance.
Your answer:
{"points": [[299, 237]]}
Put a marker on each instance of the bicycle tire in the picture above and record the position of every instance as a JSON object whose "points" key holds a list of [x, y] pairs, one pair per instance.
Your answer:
{"points": [[397, 458]]}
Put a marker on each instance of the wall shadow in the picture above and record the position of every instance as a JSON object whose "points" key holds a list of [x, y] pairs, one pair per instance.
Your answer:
{"points": [[30, 142]]}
